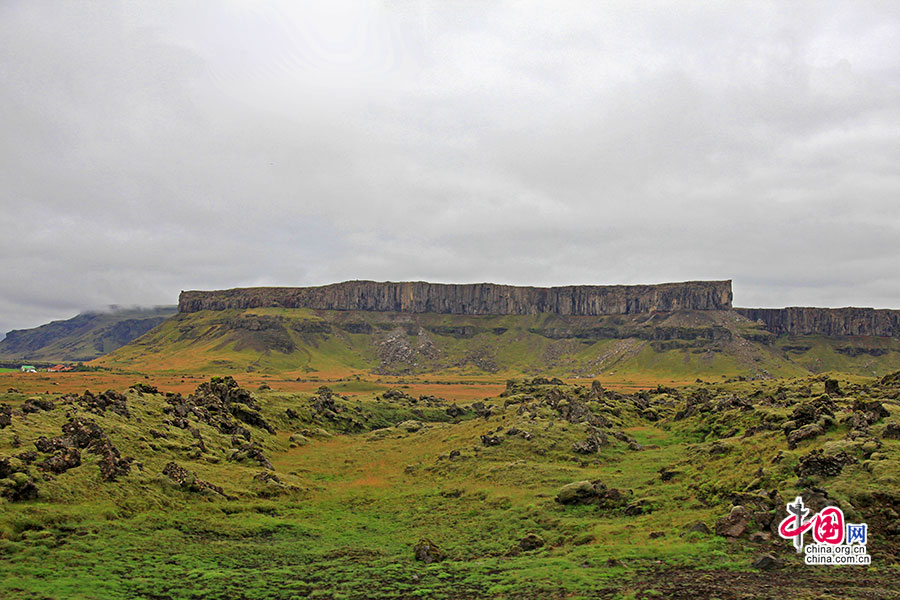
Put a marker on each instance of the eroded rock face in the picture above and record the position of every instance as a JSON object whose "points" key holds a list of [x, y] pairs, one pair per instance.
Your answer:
{"points": [[826, 321], [471, 299]]}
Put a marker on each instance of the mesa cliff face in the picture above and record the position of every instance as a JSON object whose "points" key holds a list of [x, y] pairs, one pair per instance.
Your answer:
{"points": [[471, 299], [827, 321]]}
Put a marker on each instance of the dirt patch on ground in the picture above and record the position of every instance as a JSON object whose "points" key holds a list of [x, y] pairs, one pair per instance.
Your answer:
{"points": [[800, 582]]}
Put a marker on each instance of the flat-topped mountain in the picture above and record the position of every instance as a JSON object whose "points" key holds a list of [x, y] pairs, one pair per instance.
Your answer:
{"points": [[827, 321], [471, 299]]}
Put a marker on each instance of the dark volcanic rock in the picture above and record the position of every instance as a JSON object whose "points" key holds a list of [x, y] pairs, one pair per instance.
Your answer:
{"points": [[63, 460], [36, 404], [735, 523], [817, 463], [428, 552], [592, 492], [891, 431], [50, 445], [19, 487], [767, 562], [873, 410], [252, 452], [5, 415], [807, 432], [108, 400], [86, 434], [189, 481], [82, 432], [595, 440], [531, 541], [220, 403]]}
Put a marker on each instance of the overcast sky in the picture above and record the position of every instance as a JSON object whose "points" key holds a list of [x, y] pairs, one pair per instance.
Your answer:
{"points": [[150, 147]]}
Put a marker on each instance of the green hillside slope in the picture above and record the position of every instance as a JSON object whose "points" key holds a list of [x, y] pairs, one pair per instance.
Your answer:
{"points": [[678, 345], [83, 337]]}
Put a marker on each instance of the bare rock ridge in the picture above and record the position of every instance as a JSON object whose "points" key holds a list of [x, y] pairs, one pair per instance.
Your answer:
{"points": [[826, 321], [471, 299]]}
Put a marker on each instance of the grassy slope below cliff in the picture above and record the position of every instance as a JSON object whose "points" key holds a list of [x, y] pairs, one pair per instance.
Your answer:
{"points": [[676, 346]]}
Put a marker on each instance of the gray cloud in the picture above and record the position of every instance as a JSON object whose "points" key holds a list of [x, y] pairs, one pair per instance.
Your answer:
{"points": [[154, 147]]}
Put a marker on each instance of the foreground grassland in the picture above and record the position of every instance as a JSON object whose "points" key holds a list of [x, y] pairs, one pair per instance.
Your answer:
{"points": [[328, 492]]}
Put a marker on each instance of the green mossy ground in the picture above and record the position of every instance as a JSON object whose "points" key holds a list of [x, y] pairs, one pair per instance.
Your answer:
{"points": [[361, 484]]}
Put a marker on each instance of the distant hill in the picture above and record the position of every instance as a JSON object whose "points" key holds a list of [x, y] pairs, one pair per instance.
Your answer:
{"points": [[83, 337]]}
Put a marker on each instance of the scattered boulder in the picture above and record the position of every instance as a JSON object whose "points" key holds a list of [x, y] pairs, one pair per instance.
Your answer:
{"points": [[595, 440], [833, 388], [666, 474], [18, 487], [5, 415], [410, 426], [454, 411], [698, 527], [428, 552], [36, 404], [531, 541], [873, 410], [767, 562], [86, 434], [252, 452], [579, 492], [145, 388], [807, 432], [812, 411], [188, 481], [63, 460], [592, 492], [51, 445], [298, 439], [491, 440], [891, 432], [108, 400], [220, 403], [639, 507], [268, 478], [760, 537], [735, 523], [817, 463]]}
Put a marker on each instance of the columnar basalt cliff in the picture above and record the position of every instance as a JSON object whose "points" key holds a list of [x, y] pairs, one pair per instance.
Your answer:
{"points": [[471, 299], [827, 321]]}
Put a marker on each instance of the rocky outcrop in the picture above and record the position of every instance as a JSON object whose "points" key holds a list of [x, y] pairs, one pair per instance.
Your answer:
{"points": [[471, 299], [826, 321]]}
